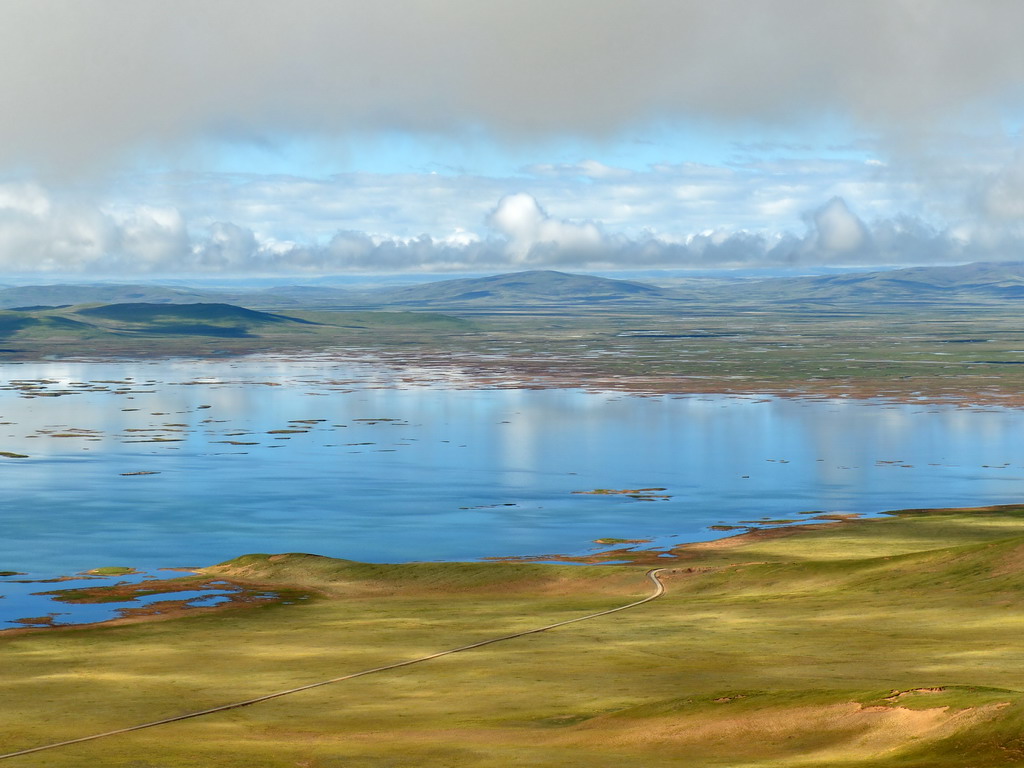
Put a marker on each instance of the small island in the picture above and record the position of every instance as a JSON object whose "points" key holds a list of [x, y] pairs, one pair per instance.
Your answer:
{"points": [[643, 494]]}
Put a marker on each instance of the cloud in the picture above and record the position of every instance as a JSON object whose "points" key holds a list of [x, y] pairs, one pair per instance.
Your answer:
{"points": [[529, 229], [151, 239], [81, 82], [1000, 197], [50, 233], [38, 235], [228, 248], [838, 232]]}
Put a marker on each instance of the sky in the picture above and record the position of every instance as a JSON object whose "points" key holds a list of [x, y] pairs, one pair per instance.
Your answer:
{"points": [[333, 137]]}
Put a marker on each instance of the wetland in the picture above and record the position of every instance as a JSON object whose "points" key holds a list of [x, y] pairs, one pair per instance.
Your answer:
{"points": [[174, 463], [443, 479]]}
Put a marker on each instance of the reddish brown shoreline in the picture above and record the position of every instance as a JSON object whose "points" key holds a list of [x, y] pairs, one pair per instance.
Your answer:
{"points": [[531, 373], [163, 610], [677, 556]]}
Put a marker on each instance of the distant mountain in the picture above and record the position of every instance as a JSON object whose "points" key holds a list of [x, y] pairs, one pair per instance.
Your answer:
{"points": [[979, 281], [65, 295], [543, 288], [519, 289], [301, 297]]}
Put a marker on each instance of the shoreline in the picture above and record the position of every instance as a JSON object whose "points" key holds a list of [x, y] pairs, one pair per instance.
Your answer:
{"points": [[530, 373], [253, 594]]}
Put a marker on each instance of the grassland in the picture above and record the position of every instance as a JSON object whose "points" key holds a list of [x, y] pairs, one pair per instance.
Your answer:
{"points": [[889, 642], [955, 353], [972, 352], [199, 330]]}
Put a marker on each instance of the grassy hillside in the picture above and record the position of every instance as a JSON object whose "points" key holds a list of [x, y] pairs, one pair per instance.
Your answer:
{"points": [[202, 319], [965, 284], [143, 312], [144, 329], [885, 643], [968, 350], [972, 354]]}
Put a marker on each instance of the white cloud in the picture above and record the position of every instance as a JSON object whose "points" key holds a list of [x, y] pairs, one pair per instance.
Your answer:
{"points": [[151, 239], [37, 235], [229, 248], [528, 228], [86, 83], [460, 237], [838, 232], [754, 213], [26, 198]]}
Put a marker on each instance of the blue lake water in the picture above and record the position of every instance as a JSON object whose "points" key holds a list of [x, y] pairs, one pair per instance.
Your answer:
{"points": [[383, 465], [30, 603]]}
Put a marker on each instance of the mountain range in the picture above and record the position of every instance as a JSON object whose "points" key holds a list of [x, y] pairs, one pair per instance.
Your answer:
{"points": [[979, 282]]}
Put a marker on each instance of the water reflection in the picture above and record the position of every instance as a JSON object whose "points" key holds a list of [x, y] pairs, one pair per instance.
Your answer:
{"points": [[354, 461], [31, 603]]}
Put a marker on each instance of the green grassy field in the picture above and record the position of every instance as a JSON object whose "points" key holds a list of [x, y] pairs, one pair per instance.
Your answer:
{"points": [[197, 330], [973, 352], [888, 642]]}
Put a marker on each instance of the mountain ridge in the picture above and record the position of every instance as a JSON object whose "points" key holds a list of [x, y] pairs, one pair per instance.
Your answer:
{"points": [[978, 281], [534, 285]]}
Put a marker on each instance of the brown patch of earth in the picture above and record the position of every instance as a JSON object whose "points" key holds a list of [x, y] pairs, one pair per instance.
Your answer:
{"points": [[852, 729]]}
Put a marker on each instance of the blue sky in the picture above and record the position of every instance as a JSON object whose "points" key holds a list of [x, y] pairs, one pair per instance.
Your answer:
{"points": [[477, 153], [251, 137]]}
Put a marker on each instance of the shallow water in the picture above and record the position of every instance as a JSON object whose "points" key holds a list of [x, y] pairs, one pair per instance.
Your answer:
{"points": [[130, 463], [29, 603]]}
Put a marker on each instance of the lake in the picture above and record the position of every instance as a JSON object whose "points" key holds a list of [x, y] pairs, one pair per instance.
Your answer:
{"points": [[154, 464]]}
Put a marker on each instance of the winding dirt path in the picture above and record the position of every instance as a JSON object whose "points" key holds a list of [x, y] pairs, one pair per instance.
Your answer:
{"points": [[659, 590]]}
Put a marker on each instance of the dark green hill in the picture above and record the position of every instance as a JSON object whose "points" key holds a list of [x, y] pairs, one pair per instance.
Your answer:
{"points": [[13, 322], [144, 329], [144, 312], [223, 320]]}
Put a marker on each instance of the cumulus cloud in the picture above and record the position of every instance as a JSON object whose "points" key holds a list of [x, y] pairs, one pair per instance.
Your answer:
{"points": [[84, 84], [37, 235], [151, 239], [529, 229], [228, 248], [42, 231], [82, 81], [838, 232]]}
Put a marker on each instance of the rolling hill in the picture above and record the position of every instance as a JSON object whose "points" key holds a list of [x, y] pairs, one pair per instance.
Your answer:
{"points": [[984, 281], [201, 319], [207, 328], [517, 289], [109, 326], [547, 289], [38, 296]]}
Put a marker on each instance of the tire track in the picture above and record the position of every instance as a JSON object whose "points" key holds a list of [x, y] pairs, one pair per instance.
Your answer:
{"points": [[659, 590]]}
